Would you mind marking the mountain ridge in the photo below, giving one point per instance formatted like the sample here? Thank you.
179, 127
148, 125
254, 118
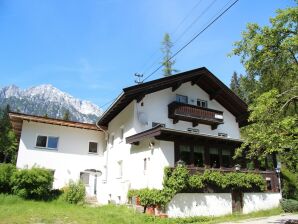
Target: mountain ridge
45, 99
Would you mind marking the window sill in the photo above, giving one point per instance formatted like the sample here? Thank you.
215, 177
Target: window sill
93, 153
45, 148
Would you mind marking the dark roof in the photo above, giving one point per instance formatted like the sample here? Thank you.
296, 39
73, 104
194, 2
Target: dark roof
17, 119
201, 77
168, 134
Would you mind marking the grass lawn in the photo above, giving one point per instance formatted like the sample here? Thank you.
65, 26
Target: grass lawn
16, 210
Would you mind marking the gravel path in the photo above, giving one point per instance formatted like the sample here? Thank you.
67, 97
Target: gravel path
278, 219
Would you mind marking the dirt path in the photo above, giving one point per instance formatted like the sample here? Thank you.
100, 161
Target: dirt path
278, 219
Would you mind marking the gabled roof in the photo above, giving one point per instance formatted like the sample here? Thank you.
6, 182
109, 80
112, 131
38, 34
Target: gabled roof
201, 77
17, 119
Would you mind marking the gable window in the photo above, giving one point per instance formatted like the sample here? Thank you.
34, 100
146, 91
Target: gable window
181, 99
202, 103
93, 147
48, 142
84, 177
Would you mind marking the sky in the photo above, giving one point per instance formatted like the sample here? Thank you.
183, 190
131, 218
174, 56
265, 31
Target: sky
91, 49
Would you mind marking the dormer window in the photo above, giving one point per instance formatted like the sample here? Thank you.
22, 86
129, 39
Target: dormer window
181, 99
202, 103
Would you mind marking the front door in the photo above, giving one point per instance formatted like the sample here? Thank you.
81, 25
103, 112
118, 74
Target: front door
237, 201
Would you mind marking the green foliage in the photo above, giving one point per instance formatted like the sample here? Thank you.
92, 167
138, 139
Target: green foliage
35, 183
6, 172
289, 205
179, 180
269, 54
167, 61
289, 184
8, 143
196, 182
74, 192
236, 87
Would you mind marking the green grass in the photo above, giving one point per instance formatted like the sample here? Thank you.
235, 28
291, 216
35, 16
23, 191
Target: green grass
16, 210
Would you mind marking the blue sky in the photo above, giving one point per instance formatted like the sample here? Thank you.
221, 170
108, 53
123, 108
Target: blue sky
92, 48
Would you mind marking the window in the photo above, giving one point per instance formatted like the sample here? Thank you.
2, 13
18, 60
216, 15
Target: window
214, 158
120, 164
47, 142
181, 99
226, 158
185, 153
41, 141
268, 183
84, 177
198, 152
93, 147
202, 103
223, 134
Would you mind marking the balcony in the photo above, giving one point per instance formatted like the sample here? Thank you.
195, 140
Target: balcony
197, 115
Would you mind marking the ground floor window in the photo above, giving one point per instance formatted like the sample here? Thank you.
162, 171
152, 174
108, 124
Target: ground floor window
199, 154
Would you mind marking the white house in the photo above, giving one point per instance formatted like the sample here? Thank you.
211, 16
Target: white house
191, 116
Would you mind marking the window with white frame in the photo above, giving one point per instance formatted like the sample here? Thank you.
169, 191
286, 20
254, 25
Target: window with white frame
181, 98
202, 103
48, 142
92, 147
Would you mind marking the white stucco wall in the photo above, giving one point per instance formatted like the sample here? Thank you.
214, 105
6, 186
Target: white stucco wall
71, 157
200, 204
260, 201
155, 106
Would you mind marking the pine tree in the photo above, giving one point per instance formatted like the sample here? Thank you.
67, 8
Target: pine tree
8, 142
66, 115
167, 61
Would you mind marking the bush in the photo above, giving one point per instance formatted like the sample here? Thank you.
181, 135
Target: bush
289, 205
35, 183
74, 193
6, 172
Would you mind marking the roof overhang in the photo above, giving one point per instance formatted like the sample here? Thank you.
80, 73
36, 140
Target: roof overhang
17, 119
201, 77
167, 134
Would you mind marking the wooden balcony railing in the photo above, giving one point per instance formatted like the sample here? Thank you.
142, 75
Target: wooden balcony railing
197, 115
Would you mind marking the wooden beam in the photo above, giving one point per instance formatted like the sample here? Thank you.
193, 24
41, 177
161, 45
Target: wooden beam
140, 98
195, 123
214, 94
176, 86
196, 81
214, 126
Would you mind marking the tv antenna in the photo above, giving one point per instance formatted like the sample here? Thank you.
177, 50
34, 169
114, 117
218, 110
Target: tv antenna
138, 78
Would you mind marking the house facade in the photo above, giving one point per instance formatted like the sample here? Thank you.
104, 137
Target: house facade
190, 117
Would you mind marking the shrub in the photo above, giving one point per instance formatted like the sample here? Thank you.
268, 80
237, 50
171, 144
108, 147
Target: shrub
289, 205
6, 172
196, 182
74, 192
35, 183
